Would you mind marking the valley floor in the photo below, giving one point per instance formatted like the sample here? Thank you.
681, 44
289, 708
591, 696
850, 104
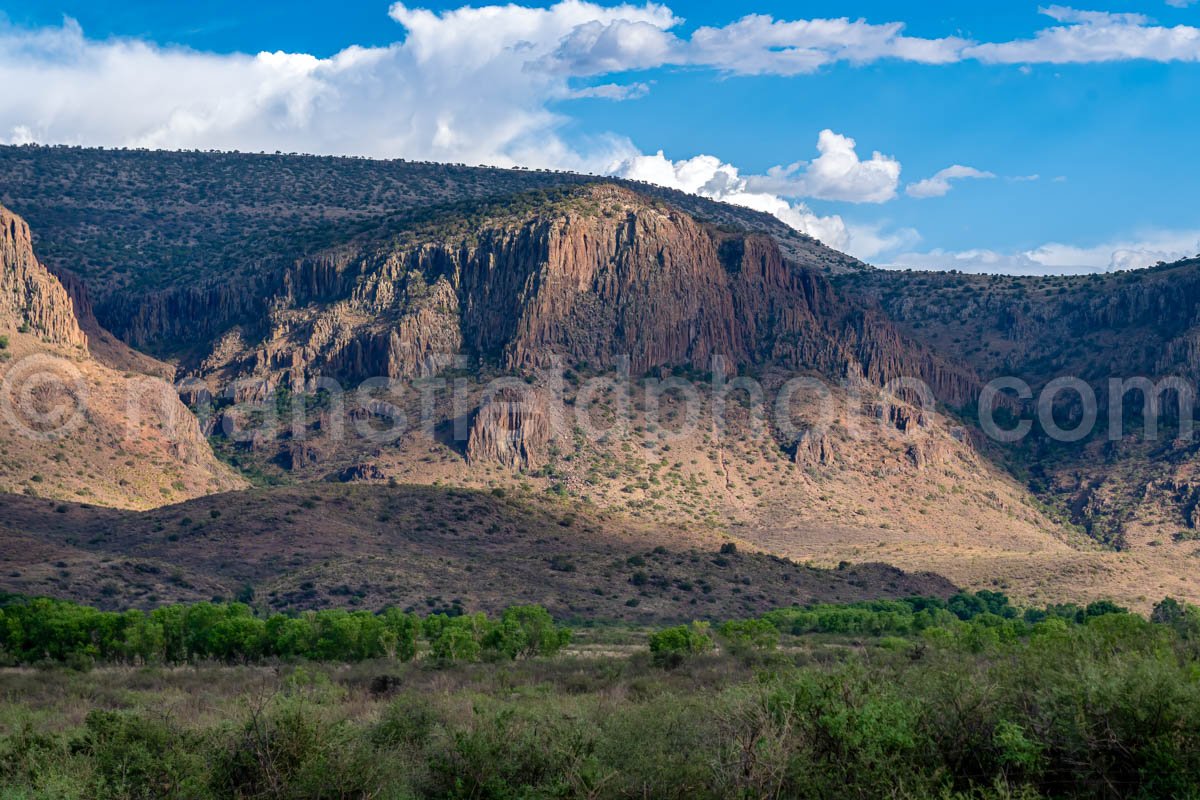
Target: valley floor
1103, 708
1037, 569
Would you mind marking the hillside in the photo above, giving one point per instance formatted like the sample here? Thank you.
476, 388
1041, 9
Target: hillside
424, 548
138, 221
1126, 490
72, 427
1126, 323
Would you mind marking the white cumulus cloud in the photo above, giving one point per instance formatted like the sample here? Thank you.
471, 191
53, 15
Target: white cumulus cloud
1055, 258
1094, 36
939, 184
458, 87
758, 44
708, 176
836, 174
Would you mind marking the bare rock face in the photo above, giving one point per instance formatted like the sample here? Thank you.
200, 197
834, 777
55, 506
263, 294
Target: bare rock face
298, 455
814, 448
901, 416
127, 439
928, 452
605, 275
364, 472
516, 427
31, 299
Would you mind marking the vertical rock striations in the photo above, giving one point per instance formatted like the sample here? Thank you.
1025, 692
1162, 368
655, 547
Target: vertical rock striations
517, 428
31, 299
601, 275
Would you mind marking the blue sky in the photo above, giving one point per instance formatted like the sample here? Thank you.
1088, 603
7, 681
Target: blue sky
984, 136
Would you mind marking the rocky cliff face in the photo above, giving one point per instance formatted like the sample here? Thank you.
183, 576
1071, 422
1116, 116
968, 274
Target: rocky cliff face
605, 275
515, 428
73, 427
31, 299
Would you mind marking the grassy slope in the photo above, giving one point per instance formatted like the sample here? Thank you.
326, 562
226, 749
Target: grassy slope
423, 547
124, 451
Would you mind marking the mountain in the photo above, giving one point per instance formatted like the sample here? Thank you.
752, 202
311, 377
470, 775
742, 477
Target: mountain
584, 275
137, 221
666, 362
73, 428
1123, 487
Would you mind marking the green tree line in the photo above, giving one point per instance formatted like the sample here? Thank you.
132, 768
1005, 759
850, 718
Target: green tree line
43, 629
1103, 706
35, 630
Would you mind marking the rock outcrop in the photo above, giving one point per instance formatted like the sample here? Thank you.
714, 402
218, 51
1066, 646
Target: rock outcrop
359, 473
814, 448
515, 427
901, 416
604, 275
31, 299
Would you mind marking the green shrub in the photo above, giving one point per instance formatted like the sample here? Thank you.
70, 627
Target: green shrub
408, 722
526, 631
31, 758
137, 758
291, 749
672, 646
744, 637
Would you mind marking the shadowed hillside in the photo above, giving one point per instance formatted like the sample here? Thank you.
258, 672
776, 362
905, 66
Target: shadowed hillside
1136, 487
425, 548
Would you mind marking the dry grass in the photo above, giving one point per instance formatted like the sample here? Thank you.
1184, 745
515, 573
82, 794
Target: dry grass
134, 446
414, 547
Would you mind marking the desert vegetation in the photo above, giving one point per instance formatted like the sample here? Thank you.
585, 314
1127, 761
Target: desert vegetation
969, 697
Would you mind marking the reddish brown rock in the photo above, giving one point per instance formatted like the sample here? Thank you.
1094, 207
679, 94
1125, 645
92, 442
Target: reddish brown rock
298, 455
516, 428
357, 473
904, 418
603, 275
814, 448
31, 299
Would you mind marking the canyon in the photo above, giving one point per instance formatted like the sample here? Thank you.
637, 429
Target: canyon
550, 286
